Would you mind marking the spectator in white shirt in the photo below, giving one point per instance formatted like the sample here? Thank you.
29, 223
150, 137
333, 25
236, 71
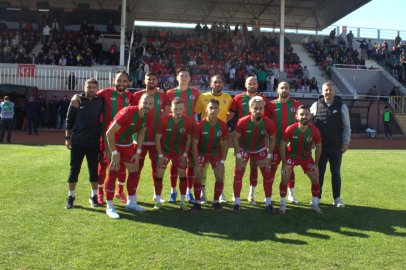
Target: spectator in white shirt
232, 77
46, 33
62, 61
269, 81
192, 62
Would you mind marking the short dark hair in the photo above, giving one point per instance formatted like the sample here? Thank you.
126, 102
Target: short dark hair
177, 101
303, 107
215, 76
213, 101
151, 73
386, 107
121, 72
182, 70
91, 80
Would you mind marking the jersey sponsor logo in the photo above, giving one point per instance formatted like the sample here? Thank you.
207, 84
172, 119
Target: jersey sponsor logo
292, 109
127, 100
277, 110
219, 133
262, 154
263, 131
182, 130
132, 124
309, 139
205, 133
81, 107
159, 101
334, 111
169, 129
176, 97
244, 103
249, 131
192, 97
112, 98
295, 137
224, 101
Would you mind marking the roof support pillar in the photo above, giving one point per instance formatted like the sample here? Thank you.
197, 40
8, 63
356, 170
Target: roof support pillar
122, 33
282, 37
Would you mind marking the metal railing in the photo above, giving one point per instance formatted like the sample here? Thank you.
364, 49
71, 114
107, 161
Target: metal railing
49, 77
344, 80
129, 50
393, 80
349, 66
398, 104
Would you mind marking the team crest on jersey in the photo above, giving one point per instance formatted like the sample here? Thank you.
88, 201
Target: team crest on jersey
292, 109
224, 101
192, 97
309, 166
159, 102
127, 100
309, 139
182, 130
219, 133
262, 154
143, 124
263, 132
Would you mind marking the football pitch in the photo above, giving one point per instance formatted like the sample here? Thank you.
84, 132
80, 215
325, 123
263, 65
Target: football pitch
37, 232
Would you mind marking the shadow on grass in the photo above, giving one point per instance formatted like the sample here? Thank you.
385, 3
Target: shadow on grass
253, 223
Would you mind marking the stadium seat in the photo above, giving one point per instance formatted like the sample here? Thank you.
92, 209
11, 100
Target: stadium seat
221, 63
206, 62
195, 77
196, 82
189, 42
291, 66
191, 53
169, 44
276, 65
205, 54
176, 44
290, 76
214, 62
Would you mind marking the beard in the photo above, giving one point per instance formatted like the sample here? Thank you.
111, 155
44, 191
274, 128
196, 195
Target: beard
258, 117
283, 95
121, 89
216, 91
151, 87
146, 111
304, 121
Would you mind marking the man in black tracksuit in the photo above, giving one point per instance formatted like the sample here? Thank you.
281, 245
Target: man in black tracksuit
332, 119
53, 106
83, 130
63, 105
42, 104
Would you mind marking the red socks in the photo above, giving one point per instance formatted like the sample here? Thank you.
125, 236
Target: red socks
315, 190
121, 178
111, 184
190, 177
153, 166
254, 177
158, 185
291, 183
132, 183
173, 174
218, 189
238, 175
197, 191
283, 189
268, 181
101, 174
182, 185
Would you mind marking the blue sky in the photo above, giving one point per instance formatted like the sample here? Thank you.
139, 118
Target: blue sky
380, 14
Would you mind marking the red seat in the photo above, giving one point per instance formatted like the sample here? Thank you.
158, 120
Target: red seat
176, 44
207, 63
149, 39
291, 66
290, 75
189, 42
169, 44
205, 53
276, 65
191, 53
214, 62
195, 41
178, 66
199, 67
195, 77
196, 82
285, 66
221, 63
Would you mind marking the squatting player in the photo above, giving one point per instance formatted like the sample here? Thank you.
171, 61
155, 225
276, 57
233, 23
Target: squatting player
283, 114
249, 142
173, 141
189, 97
301, 136
240, 107
225, 102
115, 99
207, 135
123, 152
148, 146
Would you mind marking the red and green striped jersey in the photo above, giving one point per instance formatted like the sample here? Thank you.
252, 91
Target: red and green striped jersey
209, 136
156, 113
240, 105
174, 135
253, 136
130, 123
301, 142
189, 96
283, 115
113, 103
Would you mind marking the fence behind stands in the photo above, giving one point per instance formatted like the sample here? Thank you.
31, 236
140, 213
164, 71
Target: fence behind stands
47, 77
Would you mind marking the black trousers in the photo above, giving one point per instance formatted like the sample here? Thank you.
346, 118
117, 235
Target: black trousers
41, 119
334, 156
77, 153
388, 129
63, 118
33, 121
52, 119
8, 124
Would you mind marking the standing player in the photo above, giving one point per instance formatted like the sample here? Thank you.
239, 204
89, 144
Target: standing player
115, 99
241, 107
189, 97
206, 148
172, 141
225, 102
119, 138
301, 136
148, 146
283, 114
249, 142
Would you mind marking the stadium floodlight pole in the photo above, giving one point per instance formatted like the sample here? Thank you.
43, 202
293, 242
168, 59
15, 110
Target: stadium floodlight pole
122, 34
282, 36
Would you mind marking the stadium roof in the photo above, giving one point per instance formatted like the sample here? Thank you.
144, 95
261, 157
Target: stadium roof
299, 14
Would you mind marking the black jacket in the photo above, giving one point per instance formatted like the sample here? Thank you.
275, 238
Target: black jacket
64, 106
32, 109
85, 122
329, 121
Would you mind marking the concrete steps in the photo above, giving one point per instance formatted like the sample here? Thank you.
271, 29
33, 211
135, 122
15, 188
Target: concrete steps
401, 120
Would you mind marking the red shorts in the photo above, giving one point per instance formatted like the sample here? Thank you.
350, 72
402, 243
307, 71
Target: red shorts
151, 149
305, 164
261, 155
190, 154
175, 159
125, 152
214, 160
276, 157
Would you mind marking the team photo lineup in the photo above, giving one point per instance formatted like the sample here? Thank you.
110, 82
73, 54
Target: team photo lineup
188, 131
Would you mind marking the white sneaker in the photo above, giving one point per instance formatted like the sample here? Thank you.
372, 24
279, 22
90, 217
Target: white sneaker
339, 203
111, 212
282, 209
134, 206
251, 200
318, 201
293, 200
162, 200
316, 209
222, 198
203, 198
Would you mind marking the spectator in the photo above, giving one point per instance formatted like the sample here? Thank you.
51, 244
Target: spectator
305, 41
62, 61
98, 52
275, 72
113, 51
32, 109
261, 78
397, 40
45, 19
46, 33
387, 122
110, 27
313, 85
63, 110
28, 27
71, 82
293, 84
350, 38
305, 83
53, 106
166, 85
306, 72
54, 28
298, 73
204, 81
370, 47
269, 81
139, 76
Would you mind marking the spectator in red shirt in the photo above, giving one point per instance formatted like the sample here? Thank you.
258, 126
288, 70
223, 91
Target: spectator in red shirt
113, 51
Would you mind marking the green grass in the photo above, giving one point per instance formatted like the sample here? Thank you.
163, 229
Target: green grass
37, 232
